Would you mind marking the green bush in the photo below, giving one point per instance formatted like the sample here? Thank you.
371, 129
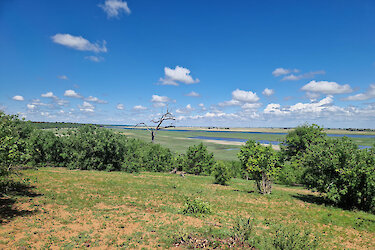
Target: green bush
156, 158
92, 148
196, 207
45, 147
290, 173
242, 229
345, 173
222, 173
299, 139
13, 147
198, 161
293, 238
292, 152
261, 163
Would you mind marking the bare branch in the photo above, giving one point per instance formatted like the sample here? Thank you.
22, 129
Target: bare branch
165, 117
144, 124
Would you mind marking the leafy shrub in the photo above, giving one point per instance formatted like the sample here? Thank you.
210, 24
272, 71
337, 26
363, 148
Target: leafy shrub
45, 147
222, 173
156, 158
198, 161
13, 147
290, 173
261, 162
345, 173
242, 229
92, 148
293, 238
196, 207
299, 139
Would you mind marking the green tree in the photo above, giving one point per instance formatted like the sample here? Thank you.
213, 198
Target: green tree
13, 144
92, 148
299, 139
222, 173
45, 147
261, 163
343, 172
198, 160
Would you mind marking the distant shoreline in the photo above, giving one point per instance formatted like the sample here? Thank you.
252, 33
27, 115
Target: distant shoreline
262, 130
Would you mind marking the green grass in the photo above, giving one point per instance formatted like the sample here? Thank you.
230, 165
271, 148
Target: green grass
90, 208
178, 141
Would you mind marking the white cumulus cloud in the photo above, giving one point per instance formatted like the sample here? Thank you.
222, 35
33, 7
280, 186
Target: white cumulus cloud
78, 43
114, 8
328, 88
193, 94
72, 93
174, 76
369, 94
268, 92
326, 104
241, 97
160, 99
18, 98
282, 71
95, 99
31, 106
245, 96
120, 106
86, 107
139, 108
230, 103
48, 95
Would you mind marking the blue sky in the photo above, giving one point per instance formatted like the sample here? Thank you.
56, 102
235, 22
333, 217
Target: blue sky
213, 63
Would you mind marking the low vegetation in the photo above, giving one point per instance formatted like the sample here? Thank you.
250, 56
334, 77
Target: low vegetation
343, 175
76, 209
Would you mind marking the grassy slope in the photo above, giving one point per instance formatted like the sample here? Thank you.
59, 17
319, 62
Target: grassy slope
89, 208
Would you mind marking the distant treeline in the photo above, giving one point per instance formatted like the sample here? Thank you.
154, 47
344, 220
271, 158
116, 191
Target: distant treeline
46, 125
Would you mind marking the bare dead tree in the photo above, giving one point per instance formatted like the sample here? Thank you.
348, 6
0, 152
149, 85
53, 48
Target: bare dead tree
166, 116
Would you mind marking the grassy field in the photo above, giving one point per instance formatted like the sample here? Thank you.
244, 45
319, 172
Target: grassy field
78, 209
179, 141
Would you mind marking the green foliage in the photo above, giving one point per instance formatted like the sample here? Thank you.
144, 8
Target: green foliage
242, 229
283, 237
222, 173
13, 146
142, 156
299, 139
45, 148
261, 163
235, 168
198, 161
293, 238
156, 158
290, 173
293, 149
196, 207
345, 173
92, 148
86, 147
58, 125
